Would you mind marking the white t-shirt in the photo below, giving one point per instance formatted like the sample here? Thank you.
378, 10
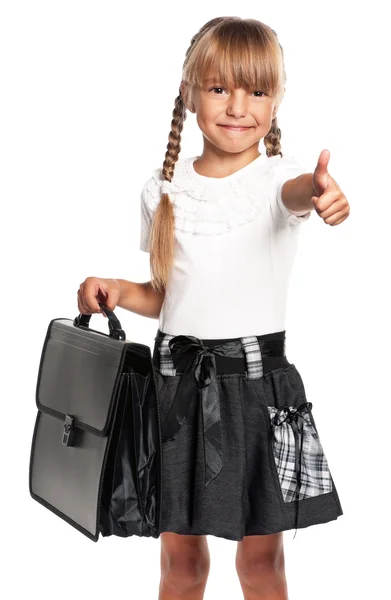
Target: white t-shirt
235, 247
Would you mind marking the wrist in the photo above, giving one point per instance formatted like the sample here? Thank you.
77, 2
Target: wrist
123, 289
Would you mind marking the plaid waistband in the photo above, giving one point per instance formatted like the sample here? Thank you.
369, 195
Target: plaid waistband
197, 361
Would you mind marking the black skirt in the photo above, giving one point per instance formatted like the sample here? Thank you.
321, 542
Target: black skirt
241, 453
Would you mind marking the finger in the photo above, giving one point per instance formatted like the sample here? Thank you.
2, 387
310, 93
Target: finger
339, 210
81, 306
337, 218
340, 220
112, 299
326, 200
86, 301
91, 292
340, 204
83, 309
103, 297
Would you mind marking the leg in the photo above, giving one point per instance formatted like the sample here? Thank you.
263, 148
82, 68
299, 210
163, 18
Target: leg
260, 566
185, 564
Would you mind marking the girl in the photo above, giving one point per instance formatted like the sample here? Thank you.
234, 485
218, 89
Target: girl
242, 457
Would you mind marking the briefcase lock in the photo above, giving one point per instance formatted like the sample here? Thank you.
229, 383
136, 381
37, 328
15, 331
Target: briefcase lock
69, 431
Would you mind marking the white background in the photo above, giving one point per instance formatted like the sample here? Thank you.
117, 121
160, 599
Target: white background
87, 93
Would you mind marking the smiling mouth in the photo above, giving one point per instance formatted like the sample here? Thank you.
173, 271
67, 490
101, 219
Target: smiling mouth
235, 127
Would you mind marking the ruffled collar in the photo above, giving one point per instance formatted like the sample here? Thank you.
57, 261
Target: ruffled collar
211, 205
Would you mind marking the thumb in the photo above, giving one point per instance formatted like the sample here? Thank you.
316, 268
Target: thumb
111, 298
101, 297
321, 175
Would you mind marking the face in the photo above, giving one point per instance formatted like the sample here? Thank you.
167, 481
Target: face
217, 108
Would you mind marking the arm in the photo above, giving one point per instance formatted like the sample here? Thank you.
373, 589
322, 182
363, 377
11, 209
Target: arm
140, 298
296, 193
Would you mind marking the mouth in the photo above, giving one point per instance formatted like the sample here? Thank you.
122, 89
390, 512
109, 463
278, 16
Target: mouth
235, 127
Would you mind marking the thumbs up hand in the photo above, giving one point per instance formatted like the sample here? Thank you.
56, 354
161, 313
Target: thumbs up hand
330, 203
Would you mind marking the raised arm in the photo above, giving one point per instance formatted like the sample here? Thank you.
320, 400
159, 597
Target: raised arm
296, 193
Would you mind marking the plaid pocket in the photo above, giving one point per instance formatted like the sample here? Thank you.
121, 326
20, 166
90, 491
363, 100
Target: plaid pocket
298, 453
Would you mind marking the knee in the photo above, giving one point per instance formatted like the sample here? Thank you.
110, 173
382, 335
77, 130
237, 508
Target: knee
254, 569
181, 572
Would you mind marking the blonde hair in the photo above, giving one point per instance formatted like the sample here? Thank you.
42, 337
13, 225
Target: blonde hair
242, 53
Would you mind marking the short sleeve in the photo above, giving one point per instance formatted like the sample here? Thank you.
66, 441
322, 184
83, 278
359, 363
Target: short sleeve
145, 222
288, 168
149, 200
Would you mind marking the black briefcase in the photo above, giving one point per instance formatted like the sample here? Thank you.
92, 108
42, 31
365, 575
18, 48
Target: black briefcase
96, 449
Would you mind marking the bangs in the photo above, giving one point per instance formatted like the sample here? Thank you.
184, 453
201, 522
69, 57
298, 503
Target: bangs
237, 54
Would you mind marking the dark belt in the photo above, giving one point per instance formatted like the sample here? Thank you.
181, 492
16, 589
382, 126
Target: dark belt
296, 419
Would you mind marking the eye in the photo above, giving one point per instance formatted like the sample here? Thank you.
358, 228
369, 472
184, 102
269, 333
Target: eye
216, 88
256, 92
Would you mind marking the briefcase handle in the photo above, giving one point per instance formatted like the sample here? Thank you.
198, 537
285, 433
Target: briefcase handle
115, 327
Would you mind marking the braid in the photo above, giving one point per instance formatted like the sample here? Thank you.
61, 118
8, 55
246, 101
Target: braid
272, 139
174, 138
162, 229
179, 113
163, 222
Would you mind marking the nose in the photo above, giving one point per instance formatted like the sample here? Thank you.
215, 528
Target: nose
237, 105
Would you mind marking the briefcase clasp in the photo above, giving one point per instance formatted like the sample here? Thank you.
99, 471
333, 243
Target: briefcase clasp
69, 431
